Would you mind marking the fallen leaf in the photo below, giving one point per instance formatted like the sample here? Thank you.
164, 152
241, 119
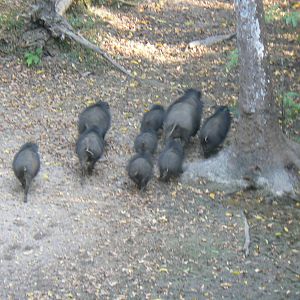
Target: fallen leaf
236, 272
163, 219
226, 285
90, 102
134, 84
163, 270
46, 176
135, 62
258, 217
257, 270
189, 23
123, 129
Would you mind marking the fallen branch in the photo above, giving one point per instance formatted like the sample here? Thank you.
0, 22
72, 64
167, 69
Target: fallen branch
293, 271
127, 3
84, 42
49, 15
247, 236
212, 40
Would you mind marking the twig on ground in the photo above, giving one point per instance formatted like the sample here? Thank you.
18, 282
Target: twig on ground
128, 3
212, 40
293, 271
247, 236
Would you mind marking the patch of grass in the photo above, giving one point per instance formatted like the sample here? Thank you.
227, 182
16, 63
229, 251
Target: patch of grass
33, 58
277, 13
233, 61
234, 110
78, 55
292, 18
81, 22
11, 22
291, 105
296, 139
273, 13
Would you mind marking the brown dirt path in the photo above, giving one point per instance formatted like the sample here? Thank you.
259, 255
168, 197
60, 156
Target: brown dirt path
106, 240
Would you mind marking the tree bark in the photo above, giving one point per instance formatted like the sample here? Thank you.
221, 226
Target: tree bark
260, 155
61, 6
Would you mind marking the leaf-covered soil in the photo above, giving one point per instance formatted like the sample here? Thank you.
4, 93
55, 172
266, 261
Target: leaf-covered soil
105, 239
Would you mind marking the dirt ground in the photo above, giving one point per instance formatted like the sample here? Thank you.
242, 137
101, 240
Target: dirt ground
107, 240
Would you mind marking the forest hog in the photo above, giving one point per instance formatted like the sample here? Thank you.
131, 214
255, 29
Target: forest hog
140, 169
89, 149
26, 165
214, 130
146, 142
170, 160
183, 117
153, 119
97, 115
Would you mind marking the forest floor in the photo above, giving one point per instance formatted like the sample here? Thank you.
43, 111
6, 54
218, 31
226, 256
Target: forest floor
106, 239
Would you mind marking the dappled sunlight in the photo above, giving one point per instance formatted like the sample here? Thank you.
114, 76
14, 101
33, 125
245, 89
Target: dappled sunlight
209, 4
132, 40
122, 23
102, 238
158, 53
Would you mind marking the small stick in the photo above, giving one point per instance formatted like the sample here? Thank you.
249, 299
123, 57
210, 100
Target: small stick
293, 271
247, 236
128, 3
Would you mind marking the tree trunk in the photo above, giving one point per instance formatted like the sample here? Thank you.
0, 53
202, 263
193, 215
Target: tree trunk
260, 155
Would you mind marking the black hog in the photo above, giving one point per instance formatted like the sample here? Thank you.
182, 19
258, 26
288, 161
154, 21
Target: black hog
140, 169
146, 142
191, 96
89, 149
26, 165
170, 160
154, 118
183, 117
214, 130
97, 115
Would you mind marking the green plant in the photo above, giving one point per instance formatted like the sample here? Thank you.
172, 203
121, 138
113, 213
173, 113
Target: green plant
275, 12
272, 13
11, 22
233, 60
234, 109
291, 105
33, 58
292, 18
82, 22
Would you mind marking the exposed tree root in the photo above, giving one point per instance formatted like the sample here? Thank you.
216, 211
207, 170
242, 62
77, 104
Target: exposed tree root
228, 171
49, 15
294, 146
211, 40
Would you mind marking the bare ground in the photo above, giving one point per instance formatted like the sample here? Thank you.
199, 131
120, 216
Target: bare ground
106, 240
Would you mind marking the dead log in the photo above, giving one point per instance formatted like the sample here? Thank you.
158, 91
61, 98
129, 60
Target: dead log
247, 236
212, 40
49, 15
